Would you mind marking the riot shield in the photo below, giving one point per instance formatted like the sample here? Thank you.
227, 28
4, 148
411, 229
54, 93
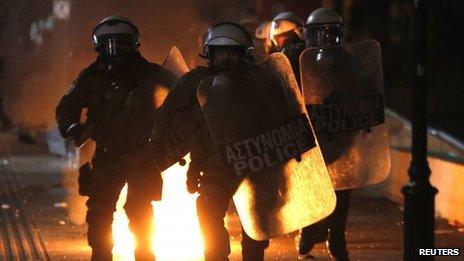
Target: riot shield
343, 91
175, 63
86, 151
259, 125
168, 139
77, 156
171, 135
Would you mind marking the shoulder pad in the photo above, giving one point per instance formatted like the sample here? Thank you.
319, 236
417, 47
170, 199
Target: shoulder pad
200, 70
197, 72
88, 72
154, 65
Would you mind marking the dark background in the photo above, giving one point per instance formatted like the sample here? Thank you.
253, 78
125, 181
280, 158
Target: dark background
35, 73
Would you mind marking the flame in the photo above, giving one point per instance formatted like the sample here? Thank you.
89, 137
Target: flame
177, 234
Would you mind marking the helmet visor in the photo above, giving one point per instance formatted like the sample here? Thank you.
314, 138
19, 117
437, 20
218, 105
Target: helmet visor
227, 57
113, 45
323, 35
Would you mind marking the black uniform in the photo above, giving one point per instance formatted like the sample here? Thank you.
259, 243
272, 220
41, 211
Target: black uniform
118, 96
216, 190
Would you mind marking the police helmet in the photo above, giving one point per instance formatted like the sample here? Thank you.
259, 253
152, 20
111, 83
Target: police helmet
114, 31
227, 34
284, 23
323, 28
249, 23
262, 32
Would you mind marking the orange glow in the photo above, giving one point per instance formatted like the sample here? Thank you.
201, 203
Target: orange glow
123, 248
177, 234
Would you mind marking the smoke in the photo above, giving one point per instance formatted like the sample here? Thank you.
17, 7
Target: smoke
75, 203
45, 44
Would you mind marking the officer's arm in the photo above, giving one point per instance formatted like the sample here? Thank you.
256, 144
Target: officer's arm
68, 111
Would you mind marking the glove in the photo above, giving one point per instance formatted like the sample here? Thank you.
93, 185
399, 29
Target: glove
193, 178
85, 180
74, 131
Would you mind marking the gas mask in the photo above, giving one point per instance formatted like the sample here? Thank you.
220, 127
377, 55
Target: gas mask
225, 58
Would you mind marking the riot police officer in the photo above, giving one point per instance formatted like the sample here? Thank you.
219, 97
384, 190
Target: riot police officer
226, 46
286, 32
117, 91
324, 29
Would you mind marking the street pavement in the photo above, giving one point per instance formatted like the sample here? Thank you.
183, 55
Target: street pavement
374, 230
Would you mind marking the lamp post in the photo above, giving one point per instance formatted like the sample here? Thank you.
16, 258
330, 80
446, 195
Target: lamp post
419, 195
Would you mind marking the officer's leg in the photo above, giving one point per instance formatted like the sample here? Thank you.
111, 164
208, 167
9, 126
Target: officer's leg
253, 250
212, 205
100, 208
337, 242
143, 186
313, 234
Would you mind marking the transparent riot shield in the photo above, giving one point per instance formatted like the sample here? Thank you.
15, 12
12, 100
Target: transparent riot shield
175, 63
259, 125
343, 92
169, 136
